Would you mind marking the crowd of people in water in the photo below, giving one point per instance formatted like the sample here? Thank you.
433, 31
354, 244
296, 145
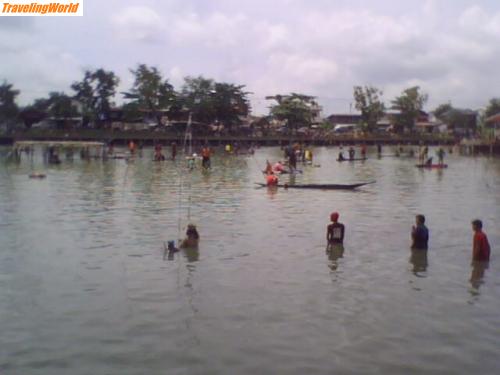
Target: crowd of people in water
481, 249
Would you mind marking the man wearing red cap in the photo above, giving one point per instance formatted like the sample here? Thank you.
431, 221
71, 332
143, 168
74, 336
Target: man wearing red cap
335, 231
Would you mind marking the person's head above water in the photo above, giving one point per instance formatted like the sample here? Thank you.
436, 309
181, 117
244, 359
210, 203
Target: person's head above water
477, 224
334, 216
420, 219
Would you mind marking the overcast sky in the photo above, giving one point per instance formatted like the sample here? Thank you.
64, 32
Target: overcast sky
450, 48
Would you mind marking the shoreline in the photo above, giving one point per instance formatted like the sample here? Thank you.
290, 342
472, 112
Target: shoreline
148, 138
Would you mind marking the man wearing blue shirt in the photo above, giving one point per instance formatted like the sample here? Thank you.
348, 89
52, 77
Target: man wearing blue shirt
419, 234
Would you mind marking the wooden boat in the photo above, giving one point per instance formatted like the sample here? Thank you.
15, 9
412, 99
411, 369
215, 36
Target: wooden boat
430, 166
320, 186
355, 159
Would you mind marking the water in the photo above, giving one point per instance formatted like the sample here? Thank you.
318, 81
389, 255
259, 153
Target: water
85, 287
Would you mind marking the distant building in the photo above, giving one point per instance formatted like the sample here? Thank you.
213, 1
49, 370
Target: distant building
343, 118
494, 123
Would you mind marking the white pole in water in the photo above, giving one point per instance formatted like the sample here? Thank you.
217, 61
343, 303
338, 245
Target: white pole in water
188, 136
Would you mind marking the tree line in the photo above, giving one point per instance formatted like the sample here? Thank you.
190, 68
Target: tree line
208, 101
408, 106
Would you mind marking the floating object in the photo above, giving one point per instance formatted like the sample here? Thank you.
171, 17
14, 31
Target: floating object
355, 159
321, 186
37, 175
430, 166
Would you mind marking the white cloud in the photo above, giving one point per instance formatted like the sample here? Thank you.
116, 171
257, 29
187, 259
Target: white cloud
138, 23
318, 48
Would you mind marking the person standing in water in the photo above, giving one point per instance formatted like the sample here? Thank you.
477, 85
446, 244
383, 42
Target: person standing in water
192, 237
205, 154
335, 231
363, 151
174, 150
352, 153
480, 245
419, 234
440, 154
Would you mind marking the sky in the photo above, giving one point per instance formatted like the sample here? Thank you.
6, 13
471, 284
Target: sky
450, 48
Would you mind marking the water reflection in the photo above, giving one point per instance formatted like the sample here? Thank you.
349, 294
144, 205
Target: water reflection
477, 276
334, 253
192, 254
419, 261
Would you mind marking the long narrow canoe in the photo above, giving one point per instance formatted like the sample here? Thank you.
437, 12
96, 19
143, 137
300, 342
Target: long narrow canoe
430, 166
355, 159
321, 186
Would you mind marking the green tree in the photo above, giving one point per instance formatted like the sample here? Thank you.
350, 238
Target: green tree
198, 96
409, 104
151, 91
295, 109
230, 103
57, 105
8, 107
492, 108
368, 102
441, 110
95, 92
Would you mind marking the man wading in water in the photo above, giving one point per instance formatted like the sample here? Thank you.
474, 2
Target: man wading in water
335, 231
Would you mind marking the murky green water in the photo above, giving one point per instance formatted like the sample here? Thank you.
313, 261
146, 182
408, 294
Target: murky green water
85, 287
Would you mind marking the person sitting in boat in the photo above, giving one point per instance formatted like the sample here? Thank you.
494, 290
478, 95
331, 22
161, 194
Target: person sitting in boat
341, 156
429, 162
335, 231
269, 168
278, 167
272, 180
192, 237
352, 153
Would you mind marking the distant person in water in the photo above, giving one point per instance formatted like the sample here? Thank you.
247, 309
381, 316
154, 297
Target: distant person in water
481, 246
440, 154
363, 151
352, 153
205, 155
132, 147
419, 234
379, 149
335, 231
192, 237
269, 168
292, 160
174, 150
158, 154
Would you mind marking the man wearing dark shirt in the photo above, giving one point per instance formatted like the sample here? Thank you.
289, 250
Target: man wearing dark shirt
335, 231
419, 234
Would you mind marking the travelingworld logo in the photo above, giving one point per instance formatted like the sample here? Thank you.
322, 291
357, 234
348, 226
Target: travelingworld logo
42, 8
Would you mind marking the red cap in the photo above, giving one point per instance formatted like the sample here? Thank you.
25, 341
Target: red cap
334, 216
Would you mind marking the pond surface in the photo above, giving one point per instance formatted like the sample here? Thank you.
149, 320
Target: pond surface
85, 287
